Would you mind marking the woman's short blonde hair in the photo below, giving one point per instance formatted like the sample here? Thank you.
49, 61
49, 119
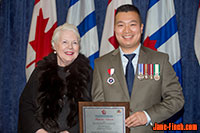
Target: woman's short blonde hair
65, 26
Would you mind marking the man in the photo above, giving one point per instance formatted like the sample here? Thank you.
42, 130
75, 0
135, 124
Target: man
153, 96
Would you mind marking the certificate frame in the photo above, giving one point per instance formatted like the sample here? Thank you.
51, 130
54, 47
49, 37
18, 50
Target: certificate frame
82, 104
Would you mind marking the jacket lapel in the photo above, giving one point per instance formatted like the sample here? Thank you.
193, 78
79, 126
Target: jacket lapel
141, 60
142, 56
116, 61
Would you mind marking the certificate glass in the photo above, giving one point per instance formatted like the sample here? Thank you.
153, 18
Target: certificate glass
103, 117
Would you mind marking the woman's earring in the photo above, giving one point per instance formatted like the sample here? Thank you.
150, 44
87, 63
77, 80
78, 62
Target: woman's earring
54, 52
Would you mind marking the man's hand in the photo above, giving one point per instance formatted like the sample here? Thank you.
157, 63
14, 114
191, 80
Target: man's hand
136, 119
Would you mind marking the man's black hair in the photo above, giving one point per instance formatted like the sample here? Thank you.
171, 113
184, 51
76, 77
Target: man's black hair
128, 8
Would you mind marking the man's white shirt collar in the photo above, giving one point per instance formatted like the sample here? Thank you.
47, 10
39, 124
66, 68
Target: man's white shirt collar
134, 61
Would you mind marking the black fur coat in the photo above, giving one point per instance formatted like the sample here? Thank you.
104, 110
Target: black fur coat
59, 90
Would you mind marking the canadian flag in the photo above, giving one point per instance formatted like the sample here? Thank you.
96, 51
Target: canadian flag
108, 41
44, 22
197, 36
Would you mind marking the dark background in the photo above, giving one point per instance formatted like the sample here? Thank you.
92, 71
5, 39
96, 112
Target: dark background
15, 19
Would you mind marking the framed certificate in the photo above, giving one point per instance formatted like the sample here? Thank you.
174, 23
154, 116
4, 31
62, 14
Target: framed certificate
103, 117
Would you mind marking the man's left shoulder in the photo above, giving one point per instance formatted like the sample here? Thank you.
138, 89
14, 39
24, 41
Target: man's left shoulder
151, 52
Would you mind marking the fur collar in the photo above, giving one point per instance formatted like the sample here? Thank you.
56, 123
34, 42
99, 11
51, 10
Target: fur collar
53, 89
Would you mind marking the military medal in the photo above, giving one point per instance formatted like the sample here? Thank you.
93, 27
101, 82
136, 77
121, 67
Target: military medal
140, 72
156, 72
111, 80
146, 71
151, 71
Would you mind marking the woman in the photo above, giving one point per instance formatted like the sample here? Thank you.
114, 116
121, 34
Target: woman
49, 102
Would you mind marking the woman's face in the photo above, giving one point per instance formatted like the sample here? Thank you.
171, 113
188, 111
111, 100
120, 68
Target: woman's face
67, 47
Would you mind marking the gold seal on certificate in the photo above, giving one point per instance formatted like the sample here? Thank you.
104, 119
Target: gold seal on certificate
100, 117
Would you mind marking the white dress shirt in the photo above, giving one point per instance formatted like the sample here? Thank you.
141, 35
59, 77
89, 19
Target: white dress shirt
134, 62
125, 60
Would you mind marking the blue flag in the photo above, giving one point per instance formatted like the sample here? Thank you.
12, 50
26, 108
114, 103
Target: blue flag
82, 14
161, 34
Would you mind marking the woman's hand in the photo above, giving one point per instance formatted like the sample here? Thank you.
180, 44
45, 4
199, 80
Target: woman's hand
64, 132
41, 131
44, 131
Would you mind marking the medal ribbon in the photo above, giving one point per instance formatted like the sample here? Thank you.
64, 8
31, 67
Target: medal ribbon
150, 69
111, 71
140, 69
157, 69
145, 69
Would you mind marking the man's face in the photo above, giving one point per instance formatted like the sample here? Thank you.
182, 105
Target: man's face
128, 30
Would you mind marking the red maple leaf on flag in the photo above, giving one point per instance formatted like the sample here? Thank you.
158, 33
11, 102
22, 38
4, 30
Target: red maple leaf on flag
150, 43
109, 1
36, 1
42, 42
113, 41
